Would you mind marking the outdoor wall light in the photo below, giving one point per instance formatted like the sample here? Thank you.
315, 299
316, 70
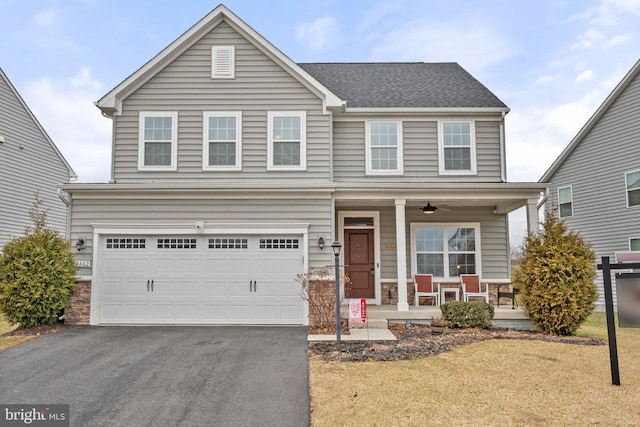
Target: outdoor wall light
80, 244
321, 243
336, 248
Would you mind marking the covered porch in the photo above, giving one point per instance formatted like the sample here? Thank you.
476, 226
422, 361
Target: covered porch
387, 236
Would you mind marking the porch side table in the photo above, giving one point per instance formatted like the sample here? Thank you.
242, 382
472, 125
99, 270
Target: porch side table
444, 290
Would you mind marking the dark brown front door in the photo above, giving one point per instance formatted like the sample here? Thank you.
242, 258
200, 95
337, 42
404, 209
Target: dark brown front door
359, 263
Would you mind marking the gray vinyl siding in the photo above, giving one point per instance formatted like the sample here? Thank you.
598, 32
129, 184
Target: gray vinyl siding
420, 147
185, 85
494, 248
596, 171
316, 212
36, 167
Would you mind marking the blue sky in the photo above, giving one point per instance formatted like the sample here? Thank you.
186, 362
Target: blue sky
552, 62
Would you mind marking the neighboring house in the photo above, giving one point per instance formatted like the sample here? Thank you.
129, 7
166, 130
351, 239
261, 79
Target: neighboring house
594, 185
30, 164
234, 169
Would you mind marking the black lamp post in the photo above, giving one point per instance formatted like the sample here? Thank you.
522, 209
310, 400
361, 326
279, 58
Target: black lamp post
336, 252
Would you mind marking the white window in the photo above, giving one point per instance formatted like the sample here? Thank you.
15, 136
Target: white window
565, 201
384, 148
287, 140
222, 141
158, 141
223, 62
633, 188
445, 250
634, 244
457, 147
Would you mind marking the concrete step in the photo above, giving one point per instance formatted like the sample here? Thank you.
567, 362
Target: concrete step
371, 324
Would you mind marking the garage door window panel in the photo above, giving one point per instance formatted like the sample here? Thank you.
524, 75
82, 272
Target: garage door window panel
228, 243
125, 243
177, 243
279, 243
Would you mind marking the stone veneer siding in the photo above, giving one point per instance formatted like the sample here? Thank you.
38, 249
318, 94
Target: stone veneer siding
79, 305
390, 294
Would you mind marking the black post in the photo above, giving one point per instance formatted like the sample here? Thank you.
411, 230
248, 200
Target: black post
338, 298
611, 325
336, 246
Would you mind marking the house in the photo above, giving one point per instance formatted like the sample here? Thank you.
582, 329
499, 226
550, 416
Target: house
234, 168
594, 185
31, 164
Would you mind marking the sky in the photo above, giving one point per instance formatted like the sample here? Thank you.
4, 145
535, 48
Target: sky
553, 62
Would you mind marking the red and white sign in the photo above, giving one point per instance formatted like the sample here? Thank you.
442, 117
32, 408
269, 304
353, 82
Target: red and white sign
358, 311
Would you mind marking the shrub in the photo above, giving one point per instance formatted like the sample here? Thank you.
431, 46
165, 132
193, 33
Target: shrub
555, 277
319, 291
37, 274
473, 314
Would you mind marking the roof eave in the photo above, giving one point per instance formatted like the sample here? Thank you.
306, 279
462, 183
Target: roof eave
428, 110
613, 96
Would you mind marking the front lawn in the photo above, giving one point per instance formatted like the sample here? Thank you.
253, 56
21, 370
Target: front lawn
10, 341
496, 382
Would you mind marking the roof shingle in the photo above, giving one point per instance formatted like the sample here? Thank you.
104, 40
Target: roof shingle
403, 85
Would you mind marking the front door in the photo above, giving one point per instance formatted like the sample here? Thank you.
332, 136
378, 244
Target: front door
359, 263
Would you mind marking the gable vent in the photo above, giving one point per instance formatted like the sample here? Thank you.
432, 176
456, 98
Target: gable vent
223, 62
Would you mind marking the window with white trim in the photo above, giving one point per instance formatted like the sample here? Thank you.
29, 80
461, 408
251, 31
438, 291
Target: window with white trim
287, 140
457, 147
445, 250
223, 62
565, 201
634, 244
158, 141
222, 141
384, 148
633, 188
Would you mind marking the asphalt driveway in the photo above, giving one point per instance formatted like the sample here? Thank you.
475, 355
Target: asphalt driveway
165, 376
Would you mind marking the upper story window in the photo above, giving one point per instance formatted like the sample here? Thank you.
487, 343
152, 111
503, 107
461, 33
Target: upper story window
634, 244
223, 62
457, 147
287, 140
633, 188
565, 201
445, 250
222, 141
384, 148
158, 141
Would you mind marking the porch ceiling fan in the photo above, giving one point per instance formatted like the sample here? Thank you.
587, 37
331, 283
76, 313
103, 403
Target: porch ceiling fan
429, 209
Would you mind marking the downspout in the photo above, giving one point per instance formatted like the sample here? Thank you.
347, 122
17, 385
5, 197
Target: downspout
113, 148
503, 160
66, 199
545, 197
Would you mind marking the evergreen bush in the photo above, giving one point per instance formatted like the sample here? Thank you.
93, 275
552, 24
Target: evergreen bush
472, 314
37, 274
555, 277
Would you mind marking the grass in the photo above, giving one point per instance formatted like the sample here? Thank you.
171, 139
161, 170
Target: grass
498, 382
6, 342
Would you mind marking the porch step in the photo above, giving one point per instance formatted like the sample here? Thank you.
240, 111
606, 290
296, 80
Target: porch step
371, 324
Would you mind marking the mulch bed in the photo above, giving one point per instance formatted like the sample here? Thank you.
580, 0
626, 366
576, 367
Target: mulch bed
37, 331
417, 342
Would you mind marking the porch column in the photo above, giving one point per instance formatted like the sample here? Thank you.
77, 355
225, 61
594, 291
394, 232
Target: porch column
533, 220
401, 253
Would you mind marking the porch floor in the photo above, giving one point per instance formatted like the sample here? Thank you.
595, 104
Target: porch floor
426, 312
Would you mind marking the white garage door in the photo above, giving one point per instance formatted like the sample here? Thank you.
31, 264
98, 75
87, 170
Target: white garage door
201, 280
